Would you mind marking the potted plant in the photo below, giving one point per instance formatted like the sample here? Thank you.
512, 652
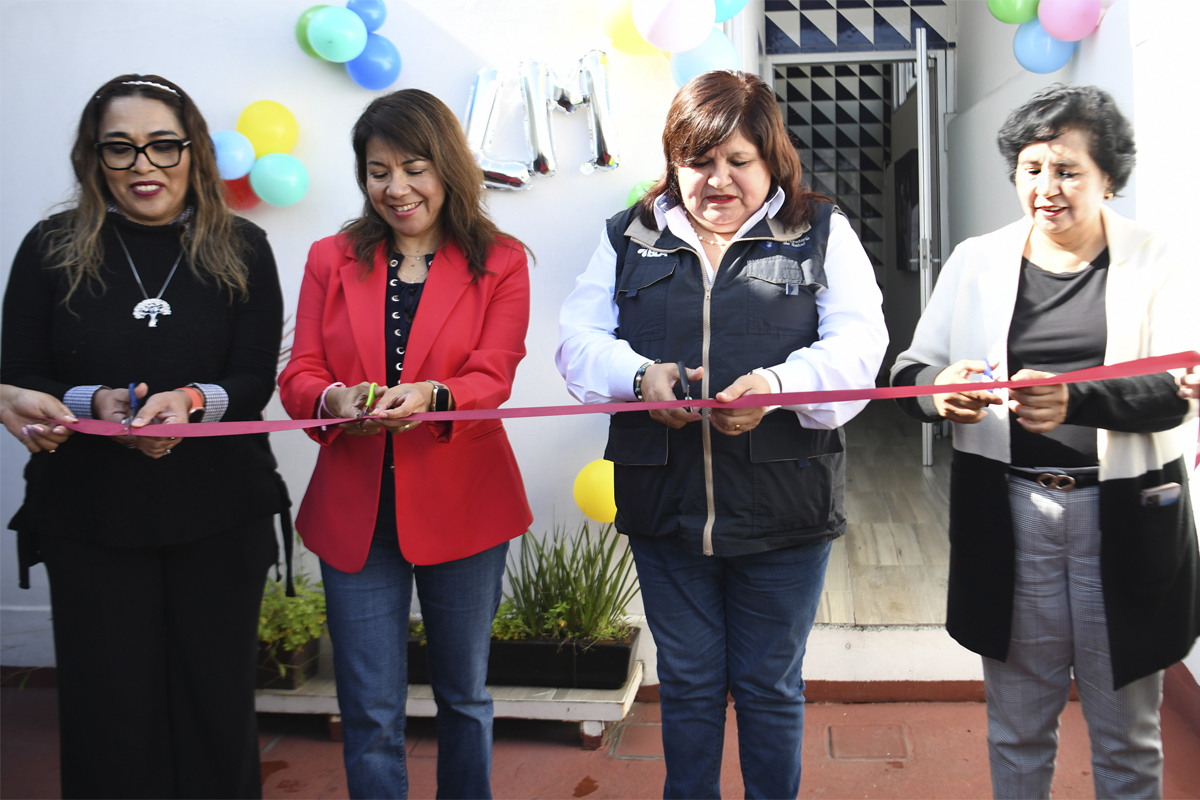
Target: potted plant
289, 634
563, 622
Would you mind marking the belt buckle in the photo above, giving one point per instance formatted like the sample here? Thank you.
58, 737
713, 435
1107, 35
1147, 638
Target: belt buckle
1048, 480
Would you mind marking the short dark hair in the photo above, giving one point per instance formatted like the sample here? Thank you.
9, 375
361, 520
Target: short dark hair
415, 122
1059, 108
708, 110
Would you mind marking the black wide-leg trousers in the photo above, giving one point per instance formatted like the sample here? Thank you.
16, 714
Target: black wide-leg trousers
156, 651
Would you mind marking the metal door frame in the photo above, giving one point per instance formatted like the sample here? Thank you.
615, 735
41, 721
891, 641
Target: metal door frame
935, 101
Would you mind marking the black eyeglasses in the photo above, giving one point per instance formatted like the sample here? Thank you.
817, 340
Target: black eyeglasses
161, 153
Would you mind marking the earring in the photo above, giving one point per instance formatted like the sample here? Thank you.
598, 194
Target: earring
1109, 195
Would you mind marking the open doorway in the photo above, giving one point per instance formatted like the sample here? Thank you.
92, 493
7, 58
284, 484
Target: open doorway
856, 127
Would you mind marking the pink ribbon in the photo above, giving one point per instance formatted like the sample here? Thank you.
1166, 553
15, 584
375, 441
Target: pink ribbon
1126, 369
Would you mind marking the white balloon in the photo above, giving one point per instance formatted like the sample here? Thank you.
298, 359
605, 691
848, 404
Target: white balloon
674, 25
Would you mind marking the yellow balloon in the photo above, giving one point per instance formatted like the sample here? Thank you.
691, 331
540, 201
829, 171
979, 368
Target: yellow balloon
269, 126
616, 18
594, 493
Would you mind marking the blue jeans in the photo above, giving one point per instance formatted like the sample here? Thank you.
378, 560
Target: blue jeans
730, 625
368, 623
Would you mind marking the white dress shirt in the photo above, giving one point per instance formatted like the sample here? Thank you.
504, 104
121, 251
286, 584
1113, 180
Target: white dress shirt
599, 367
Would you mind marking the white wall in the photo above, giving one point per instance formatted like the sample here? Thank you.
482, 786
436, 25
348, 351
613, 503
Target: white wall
226, 54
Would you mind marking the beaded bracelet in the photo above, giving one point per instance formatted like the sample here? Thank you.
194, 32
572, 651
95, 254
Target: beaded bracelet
641, 373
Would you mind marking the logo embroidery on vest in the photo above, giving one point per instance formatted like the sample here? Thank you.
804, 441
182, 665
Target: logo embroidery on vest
798, 244
644, 253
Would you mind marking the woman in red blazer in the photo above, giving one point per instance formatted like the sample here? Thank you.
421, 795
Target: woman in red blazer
424, 296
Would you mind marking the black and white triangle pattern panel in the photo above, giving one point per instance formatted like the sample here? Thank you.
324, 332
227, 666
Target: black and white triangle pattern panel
847, 26
840, 120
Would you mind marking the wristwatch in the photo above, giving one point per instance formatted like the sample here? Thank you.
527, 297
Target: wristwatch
440, 401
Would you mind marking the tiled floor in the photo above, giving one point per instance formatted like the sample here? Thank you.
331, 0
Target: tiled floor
896, 750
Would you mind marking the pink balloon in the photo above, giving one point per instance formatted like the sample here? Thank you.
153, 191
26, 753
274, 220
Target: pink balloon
674, 25
1069, 20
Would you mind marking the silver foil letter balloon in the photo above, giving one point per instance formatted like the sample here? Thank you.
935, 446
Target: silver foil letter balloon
480, 124
606, 147
542, 92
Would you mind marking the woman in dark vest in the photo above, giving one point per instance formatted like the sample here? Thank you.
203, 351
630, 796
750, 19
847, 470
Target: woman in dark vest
727, 278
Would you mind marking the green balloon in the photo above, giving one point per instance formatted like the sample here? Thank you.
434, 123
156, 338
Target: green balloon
639, 191
279, 179
1013, 11
302, 32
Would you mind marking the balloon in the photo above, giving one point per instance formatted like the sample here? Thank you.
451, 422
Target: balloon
337, 34
716, 52
616, 19
269, 126
480, 124
639, 191
594, 492
728, 9
1037, 51
378, 66
1069, 20
674, 25
593, 81
279, 179
235, 154
302, 31
239, 195
373, 12
1014, 12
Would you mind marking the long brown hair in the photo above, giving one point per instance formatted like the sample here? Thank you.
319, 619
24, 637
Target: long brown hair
708, 110
418, 124
213, 247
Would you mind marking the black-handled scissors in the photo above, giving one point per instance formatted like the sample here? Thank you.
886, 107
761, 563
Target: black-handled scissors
683, 384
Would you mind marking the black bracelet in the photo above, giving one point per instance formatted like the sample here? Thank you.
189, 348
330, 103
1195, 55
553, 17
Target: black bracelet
641, 373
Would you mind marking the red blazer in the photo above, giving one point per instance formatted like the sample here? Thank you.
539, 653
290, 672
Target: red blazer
458, 488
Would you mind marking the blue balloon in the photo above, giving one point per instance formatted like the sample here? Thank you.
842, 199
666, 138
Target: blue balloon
728, 9
715, 52
235, 154
279, 179
1038, 51
373, 12
378, 66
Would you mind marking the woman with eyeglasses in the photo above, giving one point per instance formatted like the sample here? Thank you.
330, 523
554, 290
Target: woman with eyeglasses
156, 548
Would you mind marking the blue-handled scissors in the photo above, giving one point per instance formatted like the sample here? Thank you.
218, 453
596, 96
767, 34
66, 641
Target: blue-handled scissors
134, 405
987, 373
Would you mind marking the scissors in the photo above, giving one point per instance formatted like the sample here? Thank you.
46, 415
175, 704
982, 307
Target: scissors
366, 409
683, 384
134, 405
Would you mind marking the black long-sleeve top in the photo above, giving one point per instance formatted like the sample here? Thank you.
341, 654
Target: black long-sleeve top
94, 488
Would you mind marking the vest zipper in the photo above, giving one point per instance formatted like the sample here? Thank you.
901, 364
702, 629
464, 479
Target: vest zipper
705, 422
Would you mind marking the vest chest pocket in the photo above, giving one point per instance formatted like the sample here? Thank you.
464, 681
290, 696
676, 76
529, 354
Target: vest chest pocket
641, 295
780, 297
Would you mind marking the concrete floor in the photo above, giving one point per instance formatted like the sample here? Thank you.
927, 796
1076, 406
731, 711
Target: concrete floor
896, 750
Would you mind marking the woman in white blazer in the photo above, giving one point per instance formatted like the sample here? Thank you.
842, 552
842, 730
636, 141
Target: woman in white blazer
1073, 542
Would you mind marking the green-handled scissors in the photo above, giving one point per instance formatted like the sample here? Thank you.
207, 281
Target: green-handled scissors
370, 401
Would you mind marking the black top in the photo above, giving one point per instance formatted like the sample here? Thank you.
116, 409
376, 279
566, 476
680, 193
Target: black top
96, 489
1058, 325
400, 308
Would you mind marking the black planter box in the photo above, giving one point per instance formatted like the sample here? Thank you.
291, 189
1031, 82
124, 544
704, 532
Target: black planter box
539, 662
299, 665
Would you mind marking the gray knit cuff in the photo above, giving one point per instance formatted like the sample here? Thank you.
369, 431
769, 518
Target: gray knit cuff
79, 400
216, 401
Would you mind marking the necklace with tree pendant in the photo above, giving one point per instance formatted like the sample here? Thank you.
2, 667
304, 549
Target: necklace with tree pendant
152, 307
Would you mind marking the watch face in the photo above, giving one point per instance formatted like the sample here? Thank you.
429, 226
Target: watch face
196, 414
